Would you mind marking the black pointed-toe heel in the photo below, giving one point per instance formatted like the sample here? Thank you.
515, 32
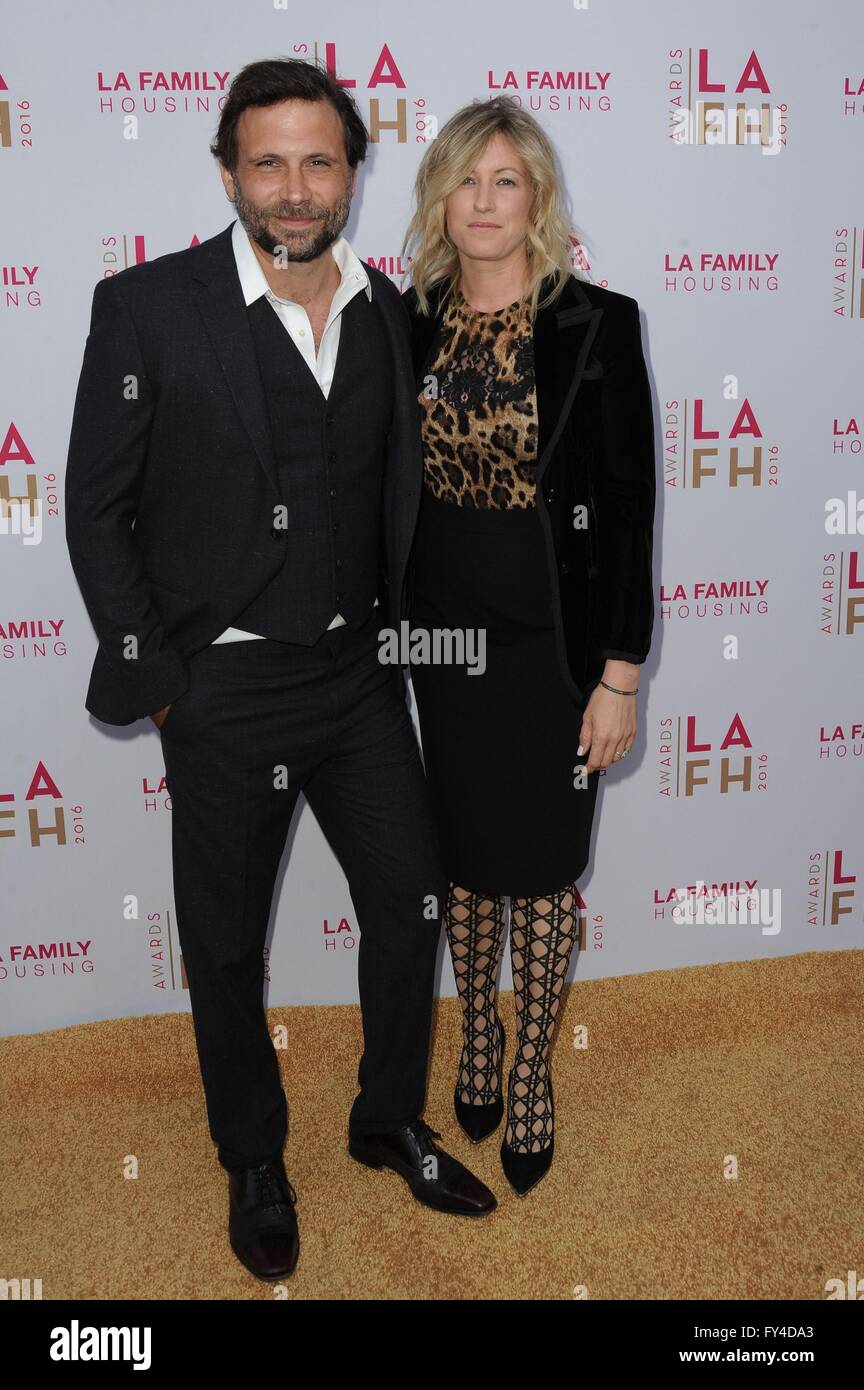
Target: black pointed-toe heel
479, 1121
524, 1171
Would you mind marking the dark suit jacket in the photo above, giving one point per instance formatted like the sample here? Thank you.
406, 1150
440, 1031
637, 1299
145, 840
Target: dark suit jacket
596, 448
171, 481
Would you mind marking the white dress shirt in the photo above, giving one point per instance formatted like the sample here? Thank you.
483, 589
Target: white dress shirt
295, 320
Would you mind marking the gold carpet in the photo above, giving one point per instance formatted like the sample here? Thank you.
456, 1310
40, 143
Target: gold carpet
686, 1073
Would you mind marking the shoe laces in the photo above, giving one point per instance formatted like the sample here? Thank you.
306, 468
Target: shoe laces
423, 1131
271, 1187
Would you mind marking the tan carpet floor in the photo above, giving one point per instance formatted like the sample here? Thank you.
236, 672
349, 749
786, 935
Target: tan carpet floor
757, 1060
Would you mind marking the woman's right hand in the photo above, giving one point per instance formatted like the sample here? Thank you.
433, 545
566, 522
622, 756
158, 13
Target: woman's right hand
160, 716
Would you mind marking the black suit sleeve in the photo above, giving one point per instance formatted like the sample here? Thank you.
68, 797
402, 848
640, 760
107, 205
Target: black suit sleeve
625, 489
111, 425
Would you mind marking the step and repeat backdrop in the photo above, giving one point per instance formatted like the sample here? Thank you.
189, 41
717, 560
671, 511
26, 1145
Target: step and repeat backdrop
713, 157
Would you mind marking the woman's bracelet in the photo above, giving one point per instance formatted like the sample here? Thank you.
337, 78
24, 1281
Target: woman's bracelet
619, 692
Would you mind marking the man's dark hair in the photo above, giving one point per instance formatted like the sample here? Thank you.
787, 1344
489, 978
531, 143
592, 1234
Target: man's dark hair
287, 79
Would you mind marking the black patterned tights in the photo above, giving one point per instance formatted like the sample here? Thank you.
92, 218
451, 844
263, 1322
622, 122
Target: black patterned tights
542, 933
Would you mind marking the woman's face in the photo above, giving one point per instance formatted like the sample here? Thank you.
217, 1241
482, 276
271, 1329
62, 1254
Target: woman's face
487, 215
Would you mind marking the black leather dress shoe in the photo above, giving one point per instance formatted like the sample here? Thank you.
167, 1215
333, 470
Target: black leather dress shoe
262, 1225
435, 1178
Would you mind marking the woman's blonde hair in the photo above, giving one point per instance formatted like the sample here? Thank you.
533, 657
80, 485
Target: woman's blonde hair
448, 160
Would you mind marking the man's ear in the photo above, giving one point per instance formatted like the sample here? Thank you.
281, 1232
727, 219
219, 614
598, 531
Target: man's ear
227, 182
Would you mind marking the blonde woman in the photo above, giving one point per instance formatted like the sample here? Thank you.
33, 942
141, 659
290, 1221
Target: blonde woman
535, 531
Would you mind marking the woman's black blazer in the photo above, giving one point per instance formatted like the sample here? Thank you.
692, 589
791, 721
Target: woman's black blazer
596, 450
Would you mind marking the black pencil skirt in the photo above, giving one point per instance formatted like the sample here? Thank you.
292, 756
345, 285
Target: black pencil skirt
499, 747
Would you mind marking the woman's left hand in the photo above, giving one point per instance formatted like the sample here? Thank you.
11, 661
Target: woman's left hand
608, 727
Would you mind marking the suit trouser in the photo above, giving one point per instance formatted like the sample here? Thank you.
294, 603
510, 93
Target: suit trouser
260, 722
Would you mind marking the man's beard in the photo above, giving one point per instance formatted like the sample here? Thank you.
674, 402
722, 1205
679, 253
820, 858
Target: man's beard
290, 247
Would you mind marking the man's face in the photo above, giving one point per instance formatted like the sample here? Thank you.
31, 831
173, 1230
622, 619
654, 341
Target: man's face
292, 187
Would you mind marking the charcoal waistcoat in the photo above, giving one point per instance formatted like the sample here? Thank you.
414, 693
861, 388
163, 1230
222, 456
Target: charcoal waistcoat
330, 453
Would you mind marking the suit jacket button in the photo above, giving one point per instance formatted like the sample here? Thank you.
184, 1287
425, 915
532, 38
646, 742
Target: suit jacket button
564, 567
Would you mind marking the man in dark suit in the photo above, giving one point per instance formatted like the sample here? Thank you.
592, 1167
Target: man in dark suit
242, 487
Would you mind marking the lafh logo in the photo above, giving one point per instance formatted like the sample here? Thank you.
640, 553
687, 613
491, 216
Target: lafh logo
391, 119
16, 121
732, 107
831, 891
5, 120
704, 451
22, 511
842, 605
167, 970
848, 277
38, 828
691, 762
120, 252
579, 259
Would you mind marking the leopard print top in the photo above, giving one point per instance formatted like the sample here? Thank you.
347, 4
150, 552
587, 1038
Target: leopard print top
479, 411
